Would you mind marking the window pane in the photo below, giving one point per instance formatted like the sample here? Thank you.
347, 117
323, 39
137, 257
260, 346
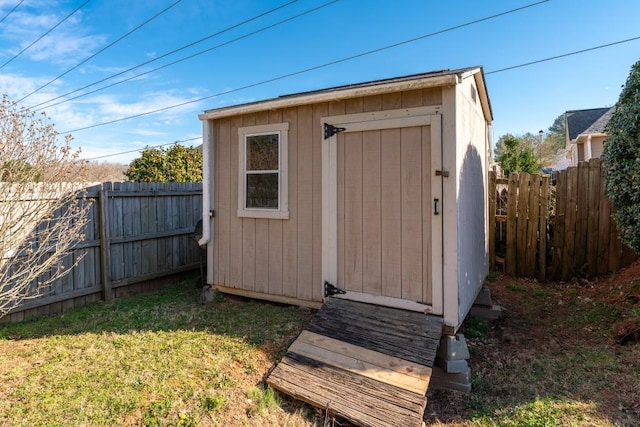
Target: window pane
262, 190
262, 152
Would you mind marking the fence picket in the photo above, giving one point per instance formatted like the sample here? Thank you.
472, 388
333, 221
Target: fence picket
576, 215
121, 244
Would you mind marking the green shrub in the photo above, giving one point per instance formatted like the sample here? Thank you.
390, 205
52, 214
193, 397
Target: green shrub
621, 160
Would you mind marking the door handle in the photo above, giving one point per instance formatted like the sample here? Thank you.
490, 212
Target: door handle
435, 206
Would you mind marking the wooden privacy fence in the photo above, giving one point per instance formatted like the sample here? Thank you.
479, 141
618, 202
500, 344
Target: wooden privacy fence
554, 230
135, 233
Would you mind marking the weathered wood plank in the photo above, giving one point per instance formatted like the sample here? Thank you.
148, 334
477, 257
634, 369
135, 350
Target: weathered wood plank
582, 214
604, 229
375, 365
358, 399
492, 220
542, 231
532, 225
522, 220
570, 222
512, 241
593, 220
559, 225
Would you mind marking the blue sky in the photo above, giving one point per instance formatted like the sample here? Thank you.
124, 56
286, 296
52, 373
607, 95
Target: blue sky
525, 99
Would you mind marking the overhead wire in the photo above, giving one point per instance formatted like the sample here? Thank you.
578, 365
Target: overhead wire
45, 34
189, 56
306, 70
142, 149
11, 11
119, 39
246, 21
564, 55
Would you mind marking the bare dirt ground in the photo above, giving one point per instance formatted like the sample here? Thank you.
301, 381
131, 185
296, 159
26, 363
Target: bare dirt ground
563, 354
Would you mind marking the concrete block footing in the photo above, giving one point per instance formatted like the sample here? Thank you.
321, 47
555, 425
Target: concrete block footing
448, 381
453, 347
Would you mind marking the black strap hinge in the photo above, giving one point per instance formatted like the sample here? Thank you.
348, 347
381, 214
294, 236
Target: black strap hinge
330, 130
331, 290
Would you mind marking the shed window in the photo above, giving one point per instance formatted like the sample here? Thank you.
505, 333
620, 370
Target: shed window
263, 171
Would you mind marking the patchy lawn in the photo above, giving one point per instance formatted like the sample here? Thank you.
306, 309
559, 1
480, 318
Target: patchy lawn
564, 354
155, 359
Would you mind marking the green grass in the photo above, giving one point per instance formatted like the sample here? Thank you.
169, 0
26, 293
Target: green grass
156, 359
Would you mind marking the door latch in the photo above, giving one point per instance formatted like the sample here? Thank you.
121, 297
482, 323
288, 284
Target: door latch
435, 206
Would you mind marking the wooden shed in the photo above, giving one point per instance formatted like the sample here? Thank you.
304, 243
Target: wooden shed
368, 201
375, 191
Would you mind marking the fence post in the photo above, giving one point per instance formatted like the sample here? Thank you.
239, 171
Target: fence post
492, 220
105, 245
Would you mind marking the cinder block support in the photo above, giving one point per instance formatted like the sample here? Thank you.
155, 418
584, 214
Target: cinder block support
451, 370
484, 307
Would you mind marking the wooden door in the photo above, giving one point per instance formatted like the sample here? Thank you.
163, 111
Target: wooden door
384, 208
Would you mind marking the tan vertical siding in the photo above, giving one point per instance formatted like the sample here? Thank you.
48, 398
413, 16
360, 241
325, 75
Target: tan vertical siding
319, 111
391, 230
290, 226
235, 223
284, 257
372, 261
275, 247
305, 202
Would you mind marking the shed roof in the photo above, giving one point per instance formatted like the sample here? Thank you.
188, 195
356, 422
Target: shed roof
413, 81
591, 121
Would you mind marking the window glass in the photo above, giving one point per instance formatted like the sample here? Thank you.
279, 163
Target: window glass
262, 152
262, 191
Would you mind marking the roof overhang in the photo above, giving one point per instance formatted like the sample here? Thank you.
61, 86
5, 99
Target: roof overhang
422, 81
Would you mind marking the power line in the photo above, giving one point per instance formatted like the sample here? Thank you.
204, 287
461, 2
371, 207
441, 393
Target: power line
185, 58
102, 50
45, 34
156, 59
306, 70
564, 55
142, 149
11, 11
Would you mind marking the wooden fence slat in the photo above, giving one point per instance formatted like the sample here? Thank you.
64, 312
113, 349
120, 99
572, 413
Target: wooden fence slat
532, 225
492, 220
512, 198
570, 220
582, 214
522, 219
132, 230
542, 231
559, 223
592, 216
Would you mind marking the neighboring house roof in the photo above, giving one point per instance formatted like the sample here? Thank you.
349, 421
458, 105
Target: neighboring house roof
414, 81
592, 121
598, 126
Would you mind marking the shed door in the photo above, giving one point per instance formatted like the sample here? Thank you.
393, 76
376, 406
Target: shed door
386, 213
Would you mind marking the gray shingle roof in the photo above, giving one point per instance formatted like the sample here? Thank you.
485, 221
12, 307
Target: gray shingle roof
587, 121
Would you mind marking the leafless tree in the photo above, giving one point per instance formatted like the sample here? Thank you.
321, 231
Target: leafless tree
42, 213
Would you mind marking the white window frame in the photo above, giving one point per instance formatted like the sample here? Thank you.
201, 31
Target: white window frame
282, 129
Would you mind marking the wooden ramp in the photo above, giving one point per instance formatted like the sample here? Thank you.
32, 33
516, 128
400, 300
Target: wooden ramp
368, 364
